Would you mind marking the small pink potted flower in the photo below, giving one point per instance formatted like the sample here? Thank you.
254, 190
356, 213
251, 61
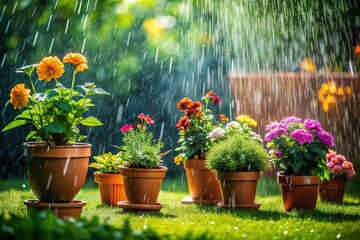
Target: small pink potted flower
340, 171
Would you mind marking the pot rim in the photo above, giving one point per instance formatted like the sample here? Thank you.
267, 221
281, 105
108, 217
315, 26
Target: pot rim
42, 144
297, 180
238, 176
161, 168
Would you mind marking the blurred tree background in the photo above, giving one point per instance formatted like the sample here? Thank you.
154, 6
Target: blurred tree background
151, 53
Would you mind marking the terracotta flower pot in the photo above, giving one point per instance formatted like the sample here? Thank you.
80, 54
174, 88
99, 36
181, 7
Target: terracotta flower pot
56, 173
238, 188
111, 187
332, 190
203, 185
299, 192
61, 210
142, 186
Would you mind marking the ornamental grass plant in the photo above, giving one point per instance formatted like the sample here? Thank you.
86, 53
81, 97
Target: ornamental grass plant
55, 113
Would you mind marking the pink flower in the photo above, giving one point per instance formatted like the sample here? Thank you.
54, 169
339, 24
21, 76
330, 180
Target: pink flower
278, 153
148, 119
126, 127
141, 116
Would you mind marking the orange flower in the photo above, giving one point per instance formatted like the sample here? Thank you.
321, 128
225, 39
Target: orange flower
78, 60
357, 49
49, 67
183, 123
19, 96
194, 108
223, 118
183, 104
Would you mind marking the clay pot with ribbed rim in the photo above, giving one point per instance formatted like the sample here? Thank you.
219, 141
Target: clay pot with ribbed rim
238, 188
299, 192
111, 187
203, 185
332, 190
142, 185
56, 173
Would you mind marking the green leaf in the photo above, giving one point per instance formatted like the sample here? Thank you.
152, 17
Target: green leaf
31, 134
52, 93
98, 91
315, 148
91, 122
297, 166
55, 127
14, 124
25, 115
307, 155
63, 106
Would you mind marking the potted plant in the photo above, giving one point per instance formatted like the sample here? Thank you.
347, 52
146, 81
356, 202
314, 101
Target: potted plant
109, 179
56, 162
194, 128
341, 170
142, 171
299, 147
237, 158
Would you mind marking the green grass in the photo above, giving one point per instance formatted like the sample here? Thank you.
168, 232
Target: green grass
328, 221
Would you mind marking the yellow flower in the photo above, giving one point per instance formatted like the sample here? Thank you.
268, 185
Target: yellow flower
19, 96
246, 119
49, 67
308, 65
153, 27
178, 159
78, 60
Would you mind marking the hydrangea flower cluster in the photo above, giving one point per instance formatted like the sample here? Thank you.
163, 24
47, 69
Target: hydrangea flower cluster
299, 146
339, 166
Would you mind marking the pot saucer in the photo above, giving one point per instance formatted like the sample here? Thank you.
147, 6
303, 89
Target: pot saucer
254, 206
140, 207
190, 200
61, 210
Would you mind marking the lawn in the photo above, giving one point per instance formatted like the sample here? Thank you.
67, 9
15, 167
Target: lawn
328, 221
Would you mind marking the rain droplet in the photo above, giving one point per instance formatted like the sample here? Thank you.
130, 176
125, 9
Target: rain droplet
285, 232
338, 236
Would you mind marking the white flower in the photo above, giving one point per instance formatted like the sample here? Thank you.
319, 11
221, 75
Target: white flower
216, 133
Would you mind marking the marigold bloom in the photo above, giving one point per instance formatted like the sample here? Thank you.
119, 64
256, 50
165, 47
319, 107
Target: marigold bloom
183, 104
19, 96
194, 108
49, 67
213, 97
308, 65
223, 118
183, 123
246, 119
178, 159
78, 60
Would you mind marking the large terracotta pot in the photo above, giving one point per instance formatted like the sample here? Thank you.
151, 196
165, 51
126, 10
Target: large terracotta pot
142, 186
332, 190
111, 187
299, 192
56, 173
203, 185
238, 188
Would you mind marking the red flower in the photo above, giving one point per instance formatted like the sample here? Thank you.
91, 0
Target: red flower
183, 123
141, 116
148, 119
213, 97
183, 104
126, 127
194, 108
139, 125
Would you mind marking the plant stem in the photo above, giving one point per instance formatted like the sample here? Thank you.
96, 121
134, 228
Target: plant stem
72, 83
32, 84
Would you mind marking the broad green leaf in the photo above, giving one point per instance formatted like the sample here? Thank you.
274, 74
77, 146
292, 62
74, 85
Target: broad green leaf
55, 127
315, 148
297, 166
307, 155
24, 115
63, 106
14, 124
91, 122
31, 134
52, 93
